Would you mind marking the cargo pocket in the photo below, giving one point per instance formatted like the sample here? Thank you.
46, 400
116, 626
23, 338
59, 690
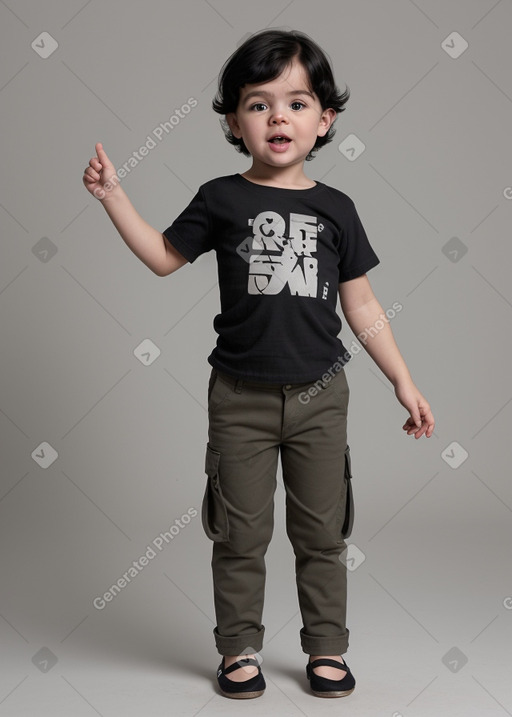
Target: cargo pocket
348, 521
214, 515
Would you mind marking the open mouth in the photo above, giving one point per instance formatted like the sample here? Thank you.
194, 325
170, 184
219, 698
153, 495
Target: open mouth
279, 140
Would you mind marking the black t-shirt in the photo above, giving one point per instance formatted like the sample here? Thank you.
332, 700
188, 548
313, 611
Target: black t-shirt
281, 254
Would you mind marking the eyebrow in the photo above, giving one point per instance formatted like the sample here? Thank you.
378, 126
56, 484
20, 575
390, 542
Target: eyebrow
263, 93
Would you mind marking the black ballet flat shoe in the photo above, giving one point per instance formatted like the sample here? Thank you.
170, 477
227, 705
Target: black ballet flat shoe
253, 687
323, 686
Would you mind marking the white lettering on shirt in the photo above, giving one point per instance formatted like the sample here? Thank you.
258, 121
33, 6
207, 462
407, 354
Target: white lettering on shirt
279, 260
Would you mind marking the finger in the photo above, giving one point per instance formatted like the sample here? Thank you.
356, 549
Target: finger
102, 155
415, 420
419, 433
91, 174
429, 423
414, 431
412, 428
430, 429
414, 414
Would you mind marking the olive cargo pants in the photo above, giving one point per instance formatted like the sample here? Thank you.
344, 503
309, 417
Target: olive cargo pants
249, 423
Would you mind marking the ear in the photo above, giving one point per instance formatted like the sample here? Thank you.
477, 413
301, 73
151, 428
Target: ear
327, 118
233, 124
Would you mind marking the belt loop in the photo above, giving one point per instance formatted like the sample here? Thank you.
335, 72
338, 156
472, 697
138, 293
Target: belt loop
238, 385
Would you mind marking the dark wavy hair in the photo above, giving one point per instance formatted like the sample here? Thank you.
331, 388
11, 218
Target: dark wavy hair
261, 58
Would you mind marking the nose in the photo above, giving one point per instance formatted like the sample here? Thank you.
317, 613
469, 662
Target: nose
279, 119
278, 116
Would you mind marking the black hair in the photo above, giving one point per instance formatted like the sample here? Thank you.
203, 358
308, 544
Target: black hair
261, 58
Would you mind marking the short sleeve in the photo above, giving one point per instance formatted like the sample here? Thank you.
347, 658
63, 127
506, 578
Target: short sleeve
356, 253
190, 233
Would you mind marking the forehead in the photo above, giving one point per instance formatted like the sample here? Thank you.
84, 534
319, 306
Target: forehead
292, 80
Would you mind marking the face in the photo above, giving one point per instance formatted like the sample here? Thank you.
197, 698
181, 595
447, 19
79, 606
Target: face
283, 106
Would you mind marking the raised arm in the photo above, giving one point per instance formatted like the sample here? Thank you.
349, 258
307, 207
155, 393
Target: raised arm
146, 242
363, 312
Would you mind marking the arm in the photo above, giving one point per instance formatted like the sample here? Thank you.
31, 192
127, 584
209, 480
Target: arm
362, 311
147, 243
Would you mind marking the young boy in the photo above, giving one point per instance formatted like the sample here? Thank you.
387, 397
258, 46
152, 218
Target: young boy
287, 247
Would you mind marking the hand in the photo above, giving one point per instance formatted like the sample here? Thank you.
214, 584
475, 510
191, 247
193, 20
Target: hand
100, 177
421, 420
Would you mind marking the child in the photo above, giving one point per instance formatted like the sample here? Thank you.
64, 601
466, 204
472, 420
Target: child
286, 247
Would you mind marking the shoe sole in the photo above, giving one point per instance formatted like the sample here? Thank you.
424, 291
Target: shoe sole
242, 695
333, 693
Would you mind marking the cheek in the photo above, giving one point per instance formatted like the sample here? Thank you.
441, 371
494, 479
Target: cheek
253, 130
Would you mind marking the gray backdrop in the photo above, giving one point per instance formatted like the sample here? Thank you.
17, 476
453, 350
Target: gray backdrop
103, 418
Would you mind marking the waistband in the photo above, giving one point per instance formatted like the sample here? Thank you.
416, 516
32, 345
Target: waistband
238, 383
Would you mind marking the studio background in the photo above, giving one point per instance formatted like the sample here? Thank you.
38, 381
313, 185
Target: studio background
103, 421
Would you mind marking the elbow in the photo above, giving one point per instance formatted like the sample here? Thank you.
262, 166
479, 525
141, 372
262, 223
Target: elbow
157, 271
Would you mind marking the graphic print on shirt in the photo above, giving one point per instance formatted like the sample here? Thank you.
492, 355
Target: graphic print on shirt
278, 258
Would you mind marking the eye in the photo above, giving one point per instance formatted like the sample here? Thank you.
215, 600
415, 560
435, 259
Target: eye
257, 104
298, 103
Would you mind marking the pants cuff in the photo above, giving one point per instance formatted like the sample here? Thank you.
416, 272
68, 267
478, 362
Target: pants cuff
313, 645
239, 645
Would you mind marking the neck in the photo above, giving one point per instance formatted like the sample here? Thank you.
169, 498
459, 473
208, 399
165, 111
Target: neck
287, 177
